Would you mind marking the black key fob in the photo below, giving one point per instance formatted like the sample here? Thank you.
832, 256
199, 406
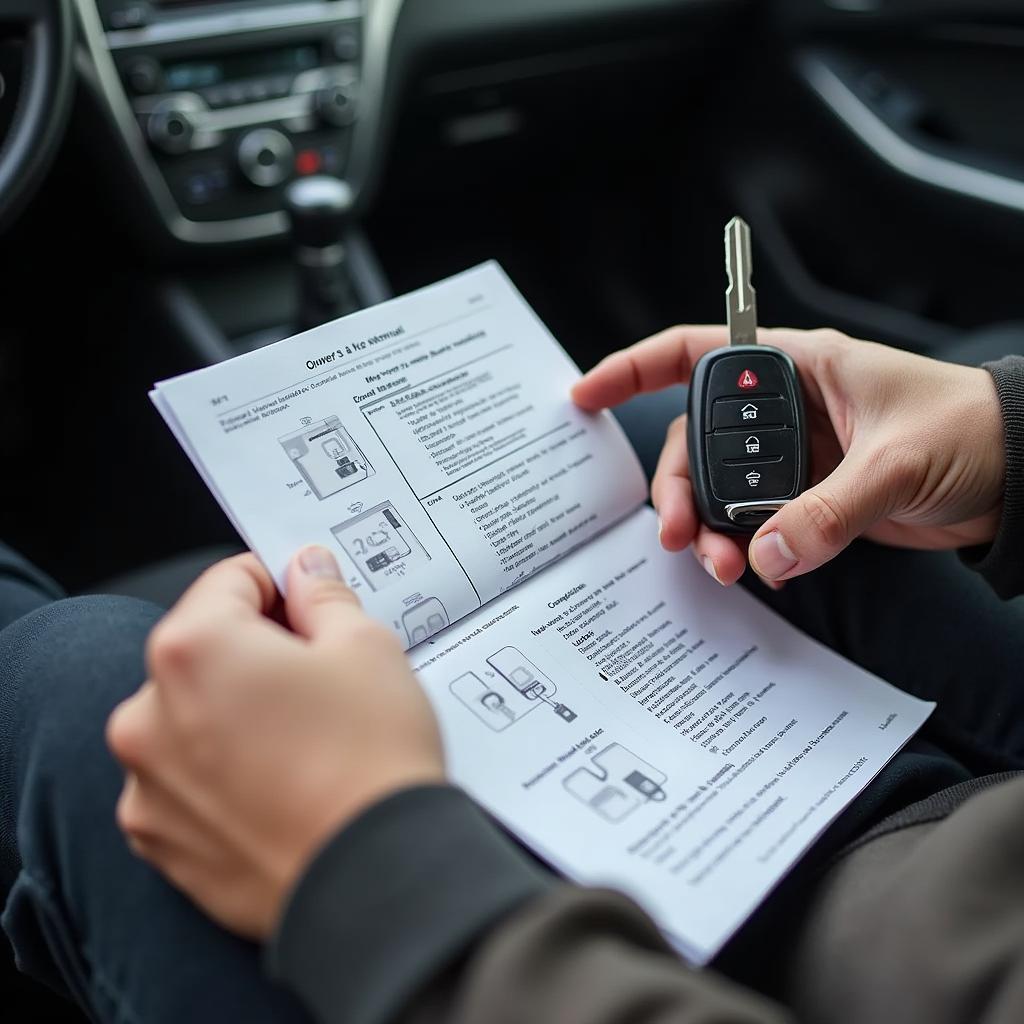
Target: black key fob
747, 436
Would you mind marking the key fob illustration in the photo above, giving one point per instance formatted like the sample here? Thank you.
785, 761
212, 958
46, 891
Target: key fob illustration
746, 429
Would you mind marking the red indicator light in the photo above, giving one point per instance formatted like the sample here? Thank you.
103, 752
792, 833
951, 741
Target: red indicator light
307, 161
748, 380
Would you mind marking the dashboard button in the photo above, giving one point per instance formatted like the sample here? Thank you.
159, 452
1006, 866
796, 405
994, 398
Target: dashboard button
345, 43
144, 76
216, 96
170, 128
256, 90
336, 104
278, 86
266, 157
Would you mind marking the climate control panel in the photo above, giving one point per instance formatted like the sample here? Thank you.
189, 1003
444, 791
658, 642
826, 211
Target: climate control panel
230, 116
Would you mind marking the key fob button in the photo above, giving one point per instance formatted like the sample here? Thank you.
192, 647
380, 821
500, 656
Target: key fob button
753, 480
751, 412
754, 445
748, 374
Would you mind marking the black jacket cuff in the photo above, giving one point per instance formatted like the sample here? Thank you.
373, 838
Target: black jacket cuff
393, 900
1002, 563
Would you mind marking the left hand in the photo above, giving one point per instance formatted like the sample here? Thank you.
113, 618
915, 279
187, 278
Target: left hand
252, 743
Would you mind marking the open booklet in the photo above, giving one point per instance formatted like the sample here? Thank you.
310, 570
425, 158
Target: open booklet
630, 720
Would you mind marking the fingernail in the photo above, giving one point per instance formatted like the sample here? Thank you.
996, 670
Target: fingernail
318, 561
661, 529
771, 556
709, 568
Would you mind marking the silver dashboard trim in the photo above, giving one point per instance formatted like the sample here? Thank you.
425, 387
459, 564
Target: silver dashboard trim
223, 23
901, 155
379, 20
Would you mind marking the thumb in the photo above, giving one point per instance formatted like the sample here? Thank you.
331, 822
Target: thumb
821, 522
318, 601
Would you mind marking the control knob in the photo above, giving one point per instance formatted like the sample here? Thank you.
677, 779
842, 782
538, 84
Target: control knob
170, 128
336, 103
266, 157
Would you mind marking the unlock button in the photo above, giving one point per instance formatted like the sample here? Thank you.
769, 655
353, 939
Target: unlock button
752, 445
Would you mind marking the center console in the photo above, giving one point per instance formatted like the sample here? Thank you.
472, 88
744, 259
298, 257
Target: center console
222, 104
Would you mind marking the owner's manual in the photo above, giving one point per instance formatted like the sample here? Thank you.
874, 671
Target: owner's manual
634, 723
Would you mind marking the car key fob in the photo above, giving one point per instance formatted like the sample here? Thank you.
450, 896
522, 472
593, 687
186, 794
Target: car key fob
746, 428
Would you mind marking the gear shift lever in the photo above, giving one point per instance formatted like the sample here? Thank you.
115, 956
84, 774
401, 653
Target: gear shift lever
318, 208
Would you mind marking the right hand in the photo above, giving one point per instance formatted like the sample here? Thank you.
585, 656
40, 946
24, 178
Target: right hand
904, 450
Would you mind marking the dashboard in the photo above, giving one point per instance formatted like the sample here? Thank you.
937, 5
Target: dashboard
218, 105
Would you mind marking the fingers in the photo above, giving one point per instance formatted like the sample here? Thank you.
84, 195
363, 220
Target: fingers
232, 596
238, 587
672, 493
657, 362
821, 522
319, 603
133, 732
722, 557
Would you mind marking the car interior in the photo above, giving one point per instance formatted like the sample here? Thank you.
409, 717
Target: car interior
182, 181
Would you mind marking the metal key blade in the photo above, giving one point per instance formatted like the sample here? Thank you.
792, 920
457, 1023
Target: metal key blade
740, 298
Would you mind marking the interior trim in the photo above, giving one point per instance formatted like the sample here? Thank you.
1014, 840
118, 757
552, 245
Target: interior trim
901, 155
229, 22
379, 20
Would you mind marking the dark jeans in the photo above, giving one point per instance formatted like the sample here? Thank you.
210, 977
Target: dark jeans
95, 922
85, 915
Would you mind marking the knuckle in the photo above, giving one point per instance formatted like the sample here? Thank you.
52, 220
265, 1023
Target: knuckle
830, 338
902, 468
366, 633
130, 813
124, 734
828, 523
332, 592
172, 647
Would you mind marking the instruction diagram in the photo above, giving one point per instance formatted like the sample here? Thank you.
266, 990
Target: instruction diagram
513, 688
616, 783
326, 456
382, 546
424, 619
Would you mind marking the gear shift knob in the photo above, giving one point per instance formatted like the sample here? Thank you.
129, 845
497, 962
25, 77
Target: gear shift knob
318, 209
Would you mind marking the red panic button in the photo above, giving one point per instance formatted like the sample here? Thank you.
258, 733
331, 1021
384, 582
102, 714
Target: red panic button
748, 380
307, 161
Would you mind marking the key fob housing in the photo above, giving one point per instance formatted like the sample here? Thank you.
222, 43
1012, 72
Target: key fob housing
747, 436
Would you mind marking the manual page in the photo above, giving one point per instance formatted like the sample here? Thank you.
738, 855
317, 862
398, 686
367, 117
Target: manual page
636, 724
429, 442
643, 728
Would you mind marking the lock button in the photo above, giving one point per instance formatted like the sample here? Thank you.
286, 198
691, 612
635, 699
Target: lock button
751, 412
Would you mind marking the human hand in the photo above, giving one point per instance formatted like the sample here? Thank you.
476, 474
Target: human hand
251, 744
904, 450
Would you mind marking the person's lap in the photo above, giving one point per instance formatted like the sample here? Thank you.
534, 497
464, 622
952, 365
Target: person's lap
82, 913
92, 919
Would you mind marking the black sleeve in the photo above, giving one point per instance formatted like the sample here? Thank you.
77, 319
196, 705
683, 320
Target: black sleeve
393, 900
422, 912
1002, 563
